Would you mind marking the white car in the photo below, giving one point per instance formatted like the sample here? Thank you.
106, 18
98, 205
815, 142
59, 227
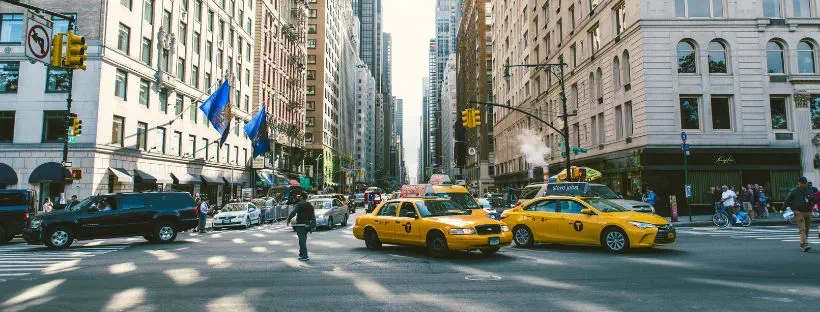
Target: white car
237, 215
329, 212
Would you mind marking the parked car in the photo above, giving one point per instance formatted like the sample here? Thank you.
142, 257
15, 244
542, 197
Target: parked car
329, 212
343, 199
156, 216
242, 215
266, 209
16, 208
596, 190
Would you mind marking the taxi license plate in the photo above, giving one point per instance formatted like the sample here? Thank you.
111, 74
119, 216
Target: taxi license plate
495, 241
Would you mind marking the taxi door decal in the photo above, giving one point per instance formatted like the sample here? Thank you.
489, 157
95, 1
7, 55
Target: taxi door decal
578, 226
408, 227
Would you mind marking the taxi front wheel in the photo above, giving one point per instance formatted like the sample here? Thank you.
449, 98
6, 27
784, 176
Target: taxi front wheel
437, 245
615, 240
523, 236
371, 239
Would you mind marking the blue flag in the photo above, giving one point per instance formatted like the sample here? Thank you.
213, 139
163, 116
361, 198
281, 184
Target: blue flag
257, 131
217, 108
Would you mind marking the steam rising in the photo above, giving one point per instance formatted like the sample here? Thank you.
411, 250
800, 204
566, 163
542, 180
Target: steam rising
533, 148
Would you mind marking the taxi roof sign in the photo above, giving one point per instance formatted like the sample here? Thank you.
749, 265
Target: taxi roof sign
439, 179
415, 190
568, 188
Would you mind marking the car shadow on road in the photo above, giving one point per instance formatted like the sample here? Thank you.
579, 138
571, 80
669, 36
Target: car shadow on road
420, 253
560, 248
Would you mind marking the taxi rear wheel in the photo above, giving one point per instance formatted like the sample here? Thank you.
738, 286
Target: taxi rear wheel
437, 245
371, 239
615, 240
523, 236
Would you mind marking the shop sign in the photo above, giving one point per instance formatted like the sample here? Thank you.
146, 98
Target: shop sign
258, 163
724, 160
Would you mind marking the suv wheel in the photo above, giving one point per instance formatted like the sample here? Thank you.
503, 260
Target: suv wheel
59, 238
165, 233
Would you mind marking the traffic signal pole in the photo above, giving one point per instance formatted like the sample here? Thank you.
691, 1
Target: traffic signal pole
69, 126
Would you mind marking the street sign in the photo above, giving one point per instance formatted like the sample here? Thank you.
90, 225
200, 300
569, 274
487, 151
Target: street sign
258, 163
471, 151
72, 139
684, 147
67, 164
688, 190
683, 137
38, 38
529, 174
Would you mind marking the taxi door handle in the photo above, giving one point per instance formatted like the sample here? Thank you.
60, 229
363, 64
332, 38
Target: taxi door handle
398, 222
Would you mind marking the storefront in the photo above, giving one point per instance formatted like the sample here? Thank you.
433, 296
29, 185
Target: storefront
7, 176
119, 180
183, 182
145, 181
210, 186
51, 177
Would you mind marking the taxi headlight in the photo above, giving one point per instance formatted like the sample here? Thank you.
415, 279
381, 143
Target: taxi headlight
36, 223
642, 225
462, 231
505, 228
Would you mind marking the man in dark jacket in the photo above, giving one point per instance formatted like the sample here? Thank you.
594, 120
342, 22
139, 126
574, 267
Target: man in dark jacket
305, 219
801, 200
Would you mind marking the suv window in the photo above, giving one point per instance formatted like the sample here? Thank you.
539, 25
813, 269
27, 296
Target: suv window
388, 210
529, 192
12, 199
171, 201
132, 201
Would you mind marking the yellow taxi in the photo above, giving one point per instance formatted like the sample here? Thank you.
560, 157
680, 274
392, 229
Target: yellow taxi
439, 224
568, 216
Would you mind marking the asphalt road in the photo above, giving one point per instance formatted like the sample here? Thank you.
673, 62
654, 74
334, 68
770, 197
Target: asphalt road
752, 269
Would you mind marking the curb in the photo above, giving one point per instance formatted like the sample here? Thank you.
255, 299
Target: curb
754, 223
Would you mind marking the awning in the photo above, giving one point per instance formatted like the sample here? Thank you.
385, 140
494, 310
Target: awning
149, 178
7, 175
210, 179
226, 180
121, 174
184, 178
50, 172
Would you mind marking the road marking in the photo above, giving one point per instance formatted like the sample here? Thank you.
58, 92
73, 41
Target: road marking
781, 233
21, 259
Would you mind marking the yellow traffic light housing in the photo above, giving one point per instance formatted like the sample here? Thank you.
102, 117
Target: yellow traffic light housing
57, 50
467, 118
76, 125
75, 51
476, 118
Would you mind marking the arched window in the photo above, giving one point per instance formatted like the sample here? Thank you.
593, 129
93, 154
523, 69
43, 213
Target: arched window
626, 78
687, 60
805, 57
616, 73
775, 58
592, 87
599, 84
717, 58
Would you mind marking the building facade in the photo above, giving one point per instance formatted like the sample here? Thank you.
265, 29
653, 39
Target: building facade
365, 123
450, 118
739, 80
150, 65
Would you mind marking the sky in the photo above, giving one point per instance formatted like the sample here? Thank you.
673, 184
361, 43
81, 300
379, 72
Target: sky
412, 25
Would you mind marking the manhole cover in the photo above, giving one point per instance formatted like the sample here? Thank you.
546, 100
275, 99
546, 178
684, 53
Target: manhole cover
482, 277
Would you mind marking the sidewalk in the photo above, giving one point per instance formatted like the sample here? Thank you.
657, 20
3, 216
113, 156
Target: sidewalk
706, 220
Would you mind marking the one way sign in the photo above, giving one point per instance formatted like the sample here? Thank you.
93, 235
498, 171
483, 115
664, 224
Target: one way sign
38, 38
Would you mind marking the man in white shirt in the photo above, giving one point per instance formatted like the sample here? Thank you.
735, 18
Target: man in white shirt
203, 215
728, 198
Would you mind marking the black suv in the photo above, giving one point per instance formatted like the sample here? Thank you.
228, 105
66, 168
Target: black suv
16, 207
158, 217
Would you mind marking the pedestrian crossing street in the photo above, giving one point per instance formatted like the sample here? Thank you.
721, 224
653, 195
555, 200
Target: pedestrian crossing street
777, 233
20, 259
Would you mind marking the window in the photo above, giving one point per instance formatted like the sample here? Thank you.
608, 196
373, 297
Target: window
247, 77
311, 59
121, 84
165, 61
619, 122
627, 70
126, 3
11, 28
616, 74
227, 153
117, 129
248, 50
166, 20
208, 81
198, 10
717, 58
163, 100
206, 148
123, 38
689, 112
814, 102
389, 210
142, 136
687, 61
210, 20
183, 34
221, 30
312, 13
699, 8
595, 39
310, 106
721, 113
544, 206
57, 80
192, 112
195, 76
54, 128
312, 29
311, 90
574, 54
192, 145
620, 18
236, 155
571, 16
161, 139
771, 8
311, 44
146, 51
308, 137
209, 52
219, 58
779, 113
601, 129
60, 24
310, 122
179, 105
178, 142
181, 69
628, 123
775, 58
7, 126
145, 91
148, 11
599, 81
802, 8
805, 57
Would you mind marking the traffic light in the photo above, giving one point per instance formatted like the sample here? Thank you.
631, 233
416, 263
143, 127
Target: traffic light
476, 118
579, 173
467, 118
76, 125
75, 51
76, 174
57, 50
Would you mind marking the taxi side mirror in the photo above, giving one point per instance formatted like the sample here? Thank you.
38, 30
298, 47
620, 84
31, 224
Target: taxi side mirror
587, 211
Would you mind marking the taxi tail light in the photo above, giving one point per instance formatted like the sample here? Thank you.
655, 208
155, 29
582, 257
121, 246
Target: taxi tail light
502, 217
25, 216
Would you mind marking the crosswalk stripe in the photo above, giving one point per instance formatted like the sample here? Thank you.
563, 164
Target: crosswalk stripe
774, 233
22, 259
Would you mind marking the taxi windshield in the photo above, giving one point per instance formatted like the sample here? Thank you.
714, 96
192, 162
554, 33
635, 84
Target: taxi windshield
438, 208
604, 205
462, 199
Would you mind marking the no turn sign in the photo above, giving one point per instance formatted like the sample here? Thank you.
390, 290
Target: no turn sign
38, 38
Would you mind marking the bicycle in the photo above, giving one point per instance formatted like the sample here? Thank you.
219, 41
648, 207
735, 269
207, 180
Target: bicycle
720, 218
